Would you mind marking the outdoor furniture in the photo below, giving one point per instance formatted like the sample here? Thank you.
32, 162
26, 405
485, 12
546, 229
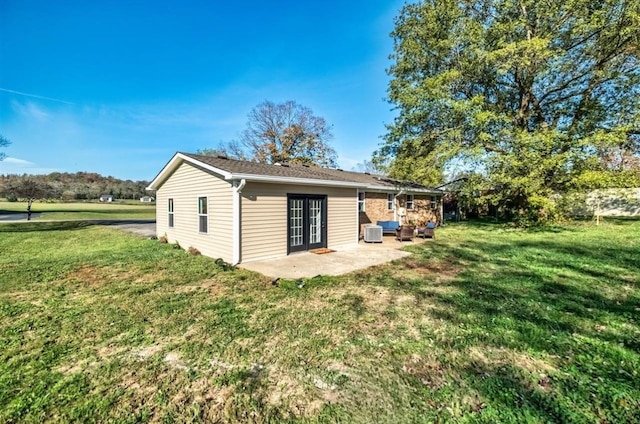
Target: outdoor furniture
405, 233
388, 227
429, 230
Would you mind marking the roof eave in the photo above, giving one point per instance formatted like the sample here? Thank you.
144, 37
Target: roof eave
293, 180
175, 162
405, 189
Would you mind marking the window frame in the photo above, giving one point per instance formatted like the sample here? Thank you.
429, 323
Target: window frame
391, 201
170, 213
361, 201
433, 202
409, 204
204, 215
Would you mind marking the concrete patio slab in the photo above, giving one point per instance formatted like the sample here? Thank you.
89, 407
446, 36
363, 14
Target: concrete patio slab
342, 261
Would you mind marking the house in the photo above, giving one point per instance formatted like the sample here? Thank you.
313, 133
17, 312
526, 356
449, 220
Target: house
614, 202
106, 198
245, 211
147, 199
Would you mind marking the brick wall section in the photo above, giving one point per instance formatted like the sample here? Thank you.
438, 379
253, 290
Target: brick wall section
422, 211
375, 206
376, 210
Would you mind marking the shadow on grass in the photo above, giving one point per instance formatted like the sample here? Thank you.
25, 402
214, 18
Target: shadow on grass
507, 389
576, 301
493, 224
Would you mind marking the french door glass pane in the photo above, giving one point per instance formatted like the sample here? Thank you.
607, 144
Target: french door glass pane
315, 221
295, 222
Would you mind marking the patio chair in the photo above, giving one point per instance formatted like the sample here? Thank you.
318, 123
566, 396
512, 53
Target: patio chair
405, 232
428, 230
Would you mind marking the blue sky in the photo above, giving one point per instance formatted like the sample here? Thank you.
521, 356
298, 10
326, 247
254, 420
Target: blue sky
117, 87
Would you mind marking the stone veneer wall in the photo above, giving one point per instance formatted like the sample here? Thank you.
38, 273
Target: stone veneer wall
376, 210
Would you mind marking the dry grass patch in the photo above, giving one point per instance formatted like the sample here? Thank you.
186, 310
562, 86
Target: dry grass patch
499, 357
437, 271
90, 275
26, 297
215, 286
429, 370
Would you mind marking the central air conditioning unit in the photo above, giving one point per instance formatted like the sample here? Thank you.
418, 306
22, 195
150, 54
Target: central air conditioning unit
373, 234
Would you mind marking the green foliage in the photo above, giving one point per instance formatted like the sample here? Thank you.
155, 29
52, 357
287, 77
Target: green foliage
80, 185
27, 189
538, 97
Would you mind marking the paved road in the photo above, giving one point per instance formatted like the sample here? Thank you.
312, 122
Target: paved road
142, 227
6, 217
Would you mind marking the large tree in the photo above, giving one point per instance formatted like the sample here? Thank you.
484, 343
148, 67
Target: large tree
530, 94
3, 143
28, 190
284, 132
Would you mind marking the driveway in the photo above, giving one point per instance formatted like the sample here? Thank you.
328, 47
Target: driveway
145, 228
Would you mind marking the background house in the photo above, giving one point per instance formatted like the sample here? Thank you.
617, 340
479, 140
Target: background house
614, 202
244, 211
108, 198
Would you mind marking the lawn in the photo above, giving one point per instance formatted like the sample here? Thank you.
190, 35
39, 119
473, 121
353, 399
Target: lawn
59, 211
484, 324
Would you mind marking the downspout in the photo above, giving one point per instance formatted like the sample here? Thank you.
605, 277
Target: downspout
237, 190
358, 215
395, 204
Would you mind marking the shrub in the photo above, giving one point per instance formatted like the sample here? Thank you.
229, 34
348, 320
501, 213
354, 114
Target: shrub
193, 251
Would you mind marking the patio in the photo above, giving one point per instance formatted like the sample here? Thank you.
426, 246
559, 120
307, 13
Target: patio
341, 261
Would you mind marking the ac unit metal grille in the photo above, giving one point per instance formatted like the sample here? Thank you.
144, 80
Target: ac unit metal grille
373, 234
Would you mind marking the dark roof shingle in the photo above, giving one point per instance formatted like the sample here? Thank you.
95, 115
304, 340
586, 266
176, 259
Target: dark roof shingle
295, 170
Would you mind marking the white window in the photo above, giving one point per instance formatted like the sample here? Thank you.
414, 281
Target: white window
391, 204
409, 202
203, 216
170, 210
434, 202
361, 201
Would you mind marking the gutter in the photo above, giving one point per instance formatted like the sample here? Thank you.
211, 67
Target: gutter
293, 180
237, 190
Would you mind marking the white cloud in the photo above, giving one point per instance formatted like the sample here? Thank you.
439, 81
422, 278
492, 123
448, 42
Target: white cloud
11, 165
18, 162
30, 110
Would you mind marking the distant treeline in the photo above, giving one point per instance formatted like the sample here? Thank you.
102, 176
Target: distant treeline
79, 186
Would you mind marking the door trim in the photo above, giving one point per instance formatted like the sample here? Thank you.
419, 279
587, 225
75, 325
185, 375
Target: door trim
305, 222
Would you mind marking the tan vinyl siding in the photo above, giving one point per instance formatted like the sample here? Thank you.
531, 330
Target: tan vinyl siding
264, 217
184, 186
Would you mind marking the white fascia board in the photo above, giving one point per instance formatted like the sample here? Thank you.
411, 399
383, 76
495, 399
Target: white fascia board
178, 159
292, 180
380, 189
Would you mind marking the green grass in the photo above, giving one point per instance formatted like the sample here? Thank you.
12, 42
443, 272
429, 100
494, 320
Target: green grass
485, 324
83, 211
